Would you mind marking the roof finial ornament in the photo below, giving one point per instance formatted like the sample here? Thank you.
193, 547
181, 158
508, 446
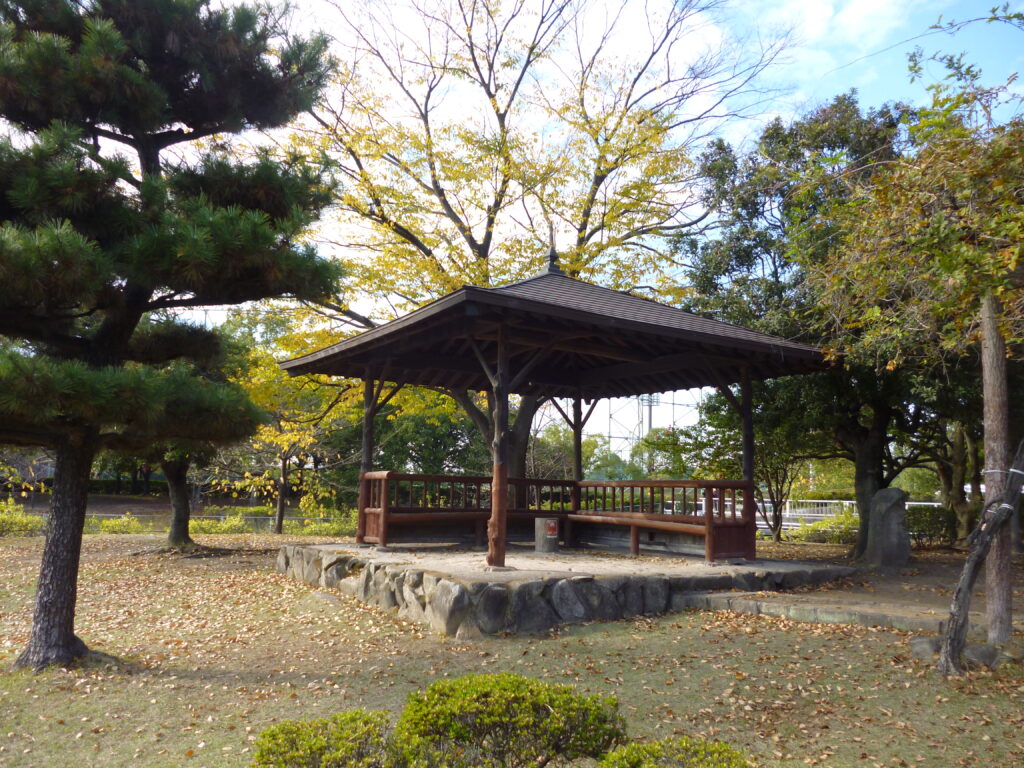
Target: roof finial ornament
553, 268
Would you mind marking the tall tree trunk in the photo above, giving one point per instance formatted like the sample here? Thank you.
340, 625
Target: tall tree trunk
995, 517
519, 432
53, 640
282, 497
996, 400
868, 447
176, 472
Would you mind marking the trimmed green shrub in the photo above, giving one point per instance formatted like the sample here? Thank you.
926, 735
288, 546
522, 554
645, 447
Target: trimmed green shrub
325, 527
930, 525
229, 510
506, 720
841, 529
14, 521
231, 524
125, 524
681, 752
355, 739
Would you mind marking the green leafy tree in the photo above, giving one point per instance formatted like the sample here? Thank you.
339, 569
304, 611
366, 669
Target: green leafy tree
103, 228
779, 210
930, 268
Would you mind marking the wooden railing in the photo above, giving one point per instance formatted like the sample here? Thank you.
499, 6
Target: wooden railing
721, 511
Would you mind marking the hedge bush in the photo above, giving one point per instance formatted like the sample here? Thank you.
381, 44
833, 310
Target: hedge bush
325, 527
506, 720
125, 524
480, 721
355, 739
841, 529
14, 521
681, 752
234, 523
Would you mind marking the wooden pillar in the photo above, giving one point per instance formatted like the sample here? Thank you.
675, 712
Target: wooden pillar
497, 526
577, 439
366, 461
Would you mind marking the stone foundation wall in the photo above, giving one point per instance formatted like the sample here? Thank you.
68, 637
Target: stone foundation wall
468, 609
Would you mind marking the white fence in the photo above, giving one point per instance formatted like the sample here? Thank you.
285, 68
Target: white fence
803, 511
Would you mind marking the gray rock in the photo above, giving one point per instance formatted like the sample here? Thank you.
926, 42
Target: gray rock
386, 597
567, 603
631, 598
364, 586
429, 583
282, 560
335, 558
982, 655
491, 606
528, 611
748, 581
711, 583
312, 570
680, 584
655, 590
600, 600
414, 578
888, 545
468, 630
924, 648
795, 578
447, 606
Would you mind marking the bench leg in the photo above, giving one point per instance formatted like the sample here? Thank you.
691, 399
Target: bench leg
479, 530
634, 540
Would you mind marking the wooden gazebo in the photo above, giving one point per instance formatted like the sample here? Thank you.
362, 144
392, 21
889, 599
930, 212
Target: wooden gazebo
557, 337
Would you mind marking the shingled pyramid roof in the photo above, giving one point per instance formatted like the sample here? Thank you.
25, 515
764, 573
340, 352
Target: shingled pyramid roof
592, 342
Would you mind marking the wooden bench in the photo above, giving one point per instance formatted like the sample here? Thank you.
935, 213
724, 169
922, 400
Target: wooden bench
720, 512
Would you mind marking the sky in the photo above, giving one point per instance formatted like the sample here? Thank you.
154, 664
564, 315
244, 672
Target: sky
863, 45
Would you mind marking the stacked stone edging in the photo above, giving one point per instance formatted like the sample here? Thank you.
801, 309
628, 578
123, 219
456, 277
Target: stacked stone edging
467, 609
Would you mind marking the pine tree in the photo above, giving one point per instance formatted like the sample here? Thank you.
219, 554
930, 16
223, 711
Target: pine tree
105, 236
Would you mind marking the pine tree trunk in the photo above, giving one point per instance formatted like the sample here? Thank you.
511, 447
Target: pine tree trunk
176, 472
996, 400
53, 640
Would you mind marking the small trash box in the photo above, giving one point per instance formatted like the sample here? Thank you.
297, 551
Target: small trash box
545, 531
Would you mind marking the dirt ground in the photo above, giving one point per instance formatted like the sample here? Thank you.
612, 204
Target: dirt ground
205, 651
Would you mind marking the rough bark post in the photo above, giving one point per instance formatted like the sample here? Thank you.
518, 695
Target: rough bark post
996, 401
993, 520
366, 461
176, 472
577, 439
497, 525
53, 640
282, 496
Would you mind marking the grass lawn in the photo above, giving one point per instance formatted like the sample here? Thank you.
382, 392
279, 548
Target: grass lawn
207, 651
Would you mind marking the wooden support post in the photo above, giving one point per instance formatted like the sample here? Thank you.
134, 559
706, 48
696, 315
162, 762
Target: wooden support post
709, 525
497, 526
634, 540
366, 461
